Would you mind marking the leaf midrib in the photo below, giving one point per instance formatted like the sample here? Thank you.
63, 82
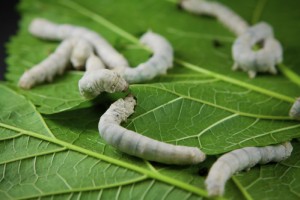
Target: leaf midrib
149, 173
212, 104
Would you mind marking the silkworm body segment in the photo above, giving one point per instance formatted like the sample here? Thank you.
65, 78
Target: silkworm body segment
81, 52
241, 159
295, 109
96, 81
93, 63
161, 60
55, 64
138, 145
224, 14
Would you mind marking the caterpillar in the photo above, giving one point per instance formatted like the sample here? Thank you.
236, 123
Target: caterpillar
81, 52
263, 60
161, 60
93, 63
138, 145
55, 64
241, 159
224, 14
45, 29
96, 81
295, 109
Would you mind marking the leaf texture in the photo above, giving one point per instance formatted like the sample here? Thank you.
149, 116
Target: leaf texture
200, 102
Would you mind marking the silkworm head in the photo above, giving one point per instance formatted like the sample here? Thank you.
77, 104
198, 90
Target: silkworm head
295, 109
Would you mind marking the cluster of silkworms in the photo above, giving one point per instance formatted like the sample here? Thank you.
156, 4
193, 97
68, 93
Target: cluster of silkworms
107, 70
85, 48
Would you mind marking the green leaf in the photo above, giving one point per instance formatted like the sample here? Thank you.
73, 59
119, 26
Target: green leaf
200, 102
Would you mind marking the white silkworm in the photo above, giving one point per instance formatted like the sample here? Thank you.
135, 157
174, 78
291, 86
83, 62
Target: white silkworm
96, 81
93, 63
241, 159
295, 109
138, 145
224, 14
262, 60
47, 30
55, 64
161, 60
81, 52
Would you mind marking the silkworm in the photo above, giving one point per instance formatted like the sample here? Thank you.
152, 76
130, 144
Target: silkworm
45, 29
295, 109
93, 63
224, 14
138, 145
46, 70
262, 60
161, 60
81, 52
241, 159
96, 81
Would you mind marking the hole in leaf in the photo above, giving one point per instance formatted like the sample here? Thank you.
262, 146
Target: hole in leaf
203, 171
217, 43
257, 46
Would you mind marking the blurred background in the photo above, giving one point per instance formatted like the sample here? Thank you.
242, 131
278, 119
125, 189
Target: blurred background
9, 24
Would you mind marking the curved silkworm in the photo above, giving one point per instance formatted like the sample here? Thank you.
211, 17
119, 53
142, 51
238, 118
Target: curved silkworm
138, 145
45, 29
96, 81
81, 52
46, 70
262, 60
241, 159
161, 60
295, 109
224, 14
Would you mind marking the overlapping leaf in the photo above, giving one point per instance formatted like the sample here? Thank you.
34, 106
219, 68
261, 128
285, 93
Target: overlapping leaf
201, 102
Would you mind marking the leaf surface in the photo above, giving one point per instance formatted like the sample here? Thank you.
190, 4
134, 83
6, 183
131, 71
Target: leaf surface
200, 102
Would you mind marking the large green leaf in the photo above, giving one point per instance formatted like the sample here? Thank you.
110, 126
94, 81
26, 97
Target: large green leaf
201, 102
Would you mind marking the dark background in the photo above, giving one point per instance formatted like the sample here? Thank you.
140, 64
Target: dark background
9, 25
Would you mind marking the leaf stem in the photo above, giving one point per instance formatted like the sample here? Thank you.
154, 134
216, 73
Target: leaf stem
241, 188
261, 4
292, 76
235, 81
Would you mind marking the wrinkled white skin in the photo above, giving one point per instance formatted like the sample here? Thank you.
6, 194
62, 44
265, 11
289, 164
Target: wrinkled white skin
241, 159
81, 51
295, 109
138, 145
45, 29
53, 65
96, 81
225, 15
262, 60
161, 60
